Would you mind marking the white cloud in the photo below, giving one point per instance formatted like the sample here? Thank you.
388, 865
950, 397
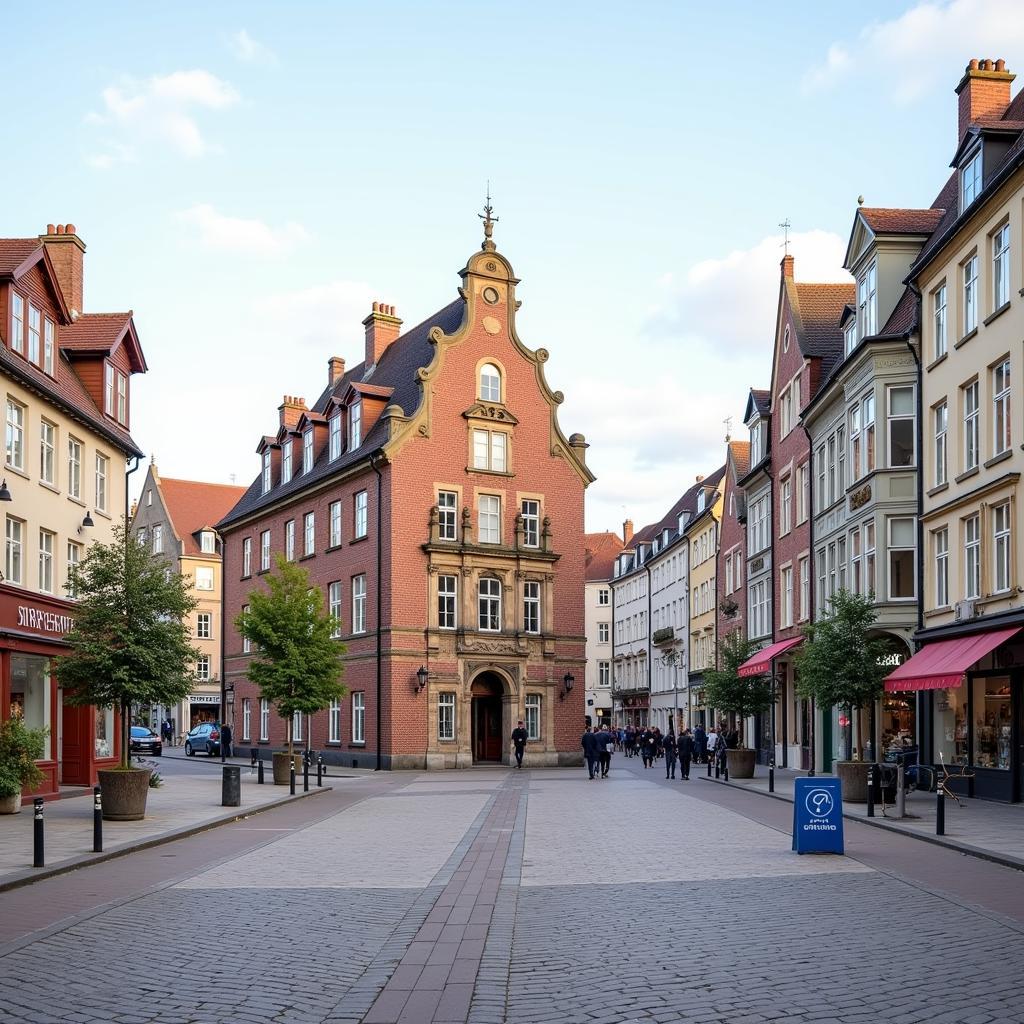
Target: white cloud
327, 316
250, 50
161, 110
913, 54
242, 235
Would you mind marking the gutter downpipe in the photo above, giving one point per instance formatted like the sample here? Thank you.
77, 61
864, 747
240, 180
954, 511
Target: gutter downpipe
380, 605
811, 560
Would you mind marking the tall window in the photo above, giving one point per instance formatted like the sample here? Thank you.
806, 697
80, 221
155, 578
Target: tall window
531, 606
264, 550
208, 542
334, 606
604, 673
489, 529
359, 604
13, 551
531, 523
869, 557
34, 330
335, 511
805, 587
855, 560
1001, 267
940, 550
970, 272
970, 181
803, 492
335, 436
247, 556
447, 515
867, 302
286, 461
204, 625
307, 450
158, 539
446, 597
49, 347
309, 533
755, 442
868, 447
355, 426
490, 450
297, 726
841, 460
203, 668
901, 559
970, 405
358, 718
47, 452
246, 719
1001, 547
108, 389
901, 426
759, 533
246, 642
359, 524
820, 493
831, 466
74, 557
334, 721
940, 415
939, 320
264, 719
17, 322
785, 506
101, 482
972, 556
446, 716
46, 544
822, 577
74, 468
1001, 407
786, 613
489, 604
15, 435
602, 633
122, 398
266, 472
532, 721
603, 596
850, 337
490, 383
204, 577
289, 540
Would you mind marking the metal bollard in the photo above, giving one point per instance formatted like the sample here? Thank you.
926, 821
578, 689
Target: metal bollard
871, 790
901, 793
725, 767
231, 786
709, 768
320, 770
97, 820
718, 767
291, 779
254, 756
259, 772
771, 775
940, 809
305, 774
38, 857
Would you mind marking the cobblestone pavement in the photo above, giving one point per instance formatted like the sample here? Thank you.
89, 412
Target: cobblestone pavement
536, 896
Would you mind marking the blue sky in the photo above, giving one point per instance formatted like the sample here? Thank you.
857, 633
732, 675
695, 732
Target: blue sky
248, 177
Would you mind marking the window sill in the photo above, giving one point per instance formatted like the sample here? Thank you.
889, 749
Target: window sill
17, 472
262, 572
50, 487
333, 547
931, 613
247, 576
489, 472
937, 490
333, 743
967, 475
966, 338
357, 746
100, 512
306, 558
81, 504
996, 313
358, 540
936, 362
1001, 457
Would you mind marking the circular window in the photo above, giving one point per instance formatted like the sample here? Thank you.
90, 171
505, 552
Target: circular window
491, 295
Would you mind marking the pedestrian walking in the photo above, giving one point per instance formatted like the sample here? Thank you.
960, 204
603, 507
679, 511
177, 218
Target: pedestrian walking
700, 744
605, 745
170, 731
590, 750
668, 745
647, 748
225, 739
712, 744
519, 743
685, 752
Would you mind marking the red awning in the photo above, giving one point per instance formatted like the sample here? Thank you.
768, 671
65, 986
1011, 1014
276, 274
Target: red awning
943, 663
762, 661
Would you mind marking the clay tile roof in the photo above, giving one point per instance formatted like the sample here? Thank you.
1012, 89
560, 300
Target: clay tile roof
904, 317
740, 451
601, 550
93, 331
819, 308
901, 222
193, 505
14, 252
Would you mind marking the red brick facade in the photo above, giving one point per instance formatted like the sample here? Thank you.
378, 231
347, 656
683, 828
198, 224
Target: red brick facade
422, 408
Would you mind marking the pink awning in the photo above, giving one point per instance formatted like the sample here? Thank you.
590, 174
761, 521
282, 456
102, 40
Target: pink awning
942, 664
761, 662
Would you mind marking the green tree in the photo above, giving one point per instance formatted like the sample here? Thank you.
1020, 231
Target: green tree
131, 642
727, 690
296, 664
840, 663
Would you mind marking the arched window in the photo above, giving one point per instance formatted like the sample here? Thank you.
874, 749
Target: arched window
490, 383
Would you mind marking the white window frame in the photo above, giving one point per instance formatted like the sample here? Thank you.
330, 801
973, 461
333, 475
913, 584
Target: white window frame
940, 421
604, 673
158, 539
266, 472
203, 668
49, 346
787, 597
204, 578
108, 388
307, 450
447, 515
447, 601
971, 453
359, 603
490, 450
264, 719
969, 269
246, 557
805, 587
940, 323
489, 519
867, 301
489, 384
246, 642
264, 550
286, 460
1002, 565
603, 596
897, 418
334, 515
531, 606
532, 713
334, 602
603, 633
360, 520
122, 399
309, 534
204, 625
334, 721
530, 511
15, 435
74, 555
940, 548
208, 542
48, 452
785, 506
334, 429
17, 323
246, 719
489, 604
297, 726
972, 556
102, 468
289, 540
359, 717
47, 544
14, 553
446, 717
970, 180
355, 425
35, 333
1001, 266
893, 549
1001, 411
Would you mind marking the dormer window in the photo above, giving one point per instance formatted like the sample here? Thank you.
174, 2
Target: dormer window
108, 389
208, 542
701, 498
755, 443
34, 333
335, 436
307, 450
286, 461
122, 399
266, 472
48, 346
850, 337
867, 301
17, 323
970, 180
115, 387
355, 426
490, 383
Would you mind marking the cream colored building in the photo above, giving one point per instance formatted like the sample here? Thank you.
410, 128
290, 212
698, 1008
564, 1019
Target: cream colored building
601, 552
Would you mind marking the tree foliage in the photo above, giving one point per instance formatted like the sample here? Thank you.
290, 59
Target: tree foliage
840, 663
130, 643
727, 690
20, 748
296, 664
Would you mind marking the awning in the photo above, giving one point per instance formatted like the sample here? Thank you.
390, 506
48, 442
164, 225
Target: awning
762, 661
942, 664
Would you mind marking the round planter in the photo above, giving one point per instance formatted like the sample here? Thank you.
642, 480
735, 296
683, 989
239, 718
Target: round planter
10, 804
741, 763
281, 765
124, 793
854, 777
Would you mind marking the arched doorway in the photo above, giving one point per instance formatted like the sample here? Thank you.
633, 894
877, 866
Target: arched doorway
487, 728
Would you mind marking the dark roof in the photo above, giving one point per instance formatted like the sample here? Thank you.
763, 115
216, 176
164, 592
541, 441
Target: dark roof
686, 503
900, 222
600, 551
762, 400
903, 318
193, 505
396, 370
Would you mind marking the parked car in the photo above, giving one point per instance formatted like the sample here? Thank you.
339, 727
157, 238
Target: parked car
145, 741
204, 738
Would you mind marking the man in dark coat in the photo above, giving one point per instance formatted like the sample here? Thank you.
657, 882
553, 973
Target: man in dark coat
668, 745
590, 750
685, 751
519, 743
700, 744
605, 745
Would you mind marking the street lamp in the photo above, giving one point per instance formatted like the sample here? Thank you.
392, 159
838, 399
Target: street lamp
5, 494
421, 679
567, 683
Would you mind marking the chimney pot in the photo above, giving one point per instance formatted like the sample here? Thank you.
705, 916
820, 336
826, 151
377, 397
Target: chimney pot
49, 229
1000, 64
70, 229
380, 332
60, 229
983, 92
973, 66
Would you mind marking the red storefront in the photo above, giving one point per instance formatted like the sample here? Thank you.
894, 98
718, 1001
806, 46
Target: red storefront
81, 740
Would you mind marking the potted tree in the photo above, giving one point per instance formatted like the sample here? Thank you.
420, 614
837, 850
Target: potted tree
841, 665
129, 645
20, 748
297, 662
742, 696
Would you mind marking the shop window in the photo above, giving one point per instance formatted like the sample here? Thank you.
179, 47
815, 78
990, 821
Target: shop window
993, 722
104, 742
30, 693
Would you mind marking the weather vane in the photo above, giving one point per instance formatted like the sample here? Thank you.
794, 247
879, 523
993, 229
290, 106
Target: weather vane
785, 225
728, 428
489, 221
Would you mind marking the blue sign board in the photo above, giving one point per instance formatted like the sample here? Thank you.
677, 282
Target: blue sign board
818, 816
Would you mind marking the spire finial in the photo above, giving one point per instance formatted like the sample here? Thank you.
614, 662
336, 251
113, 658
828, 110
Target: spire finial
489, 221
785, 225
728, 428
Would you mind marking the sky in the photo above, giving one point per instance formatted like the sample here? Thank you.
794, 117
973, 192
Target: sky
249, 177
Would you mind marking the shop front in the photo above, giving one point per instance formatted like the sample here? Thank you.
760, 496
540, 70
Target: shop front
80, 740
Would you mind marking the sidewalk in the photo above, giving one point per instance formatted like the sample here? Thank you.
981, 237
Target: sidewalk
183, 805
980, 828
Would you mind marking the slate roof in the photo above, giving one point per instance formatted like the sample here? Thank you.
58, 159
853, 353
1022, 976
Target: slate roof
686, 503
193, 505
903, 318
900, 222
601, 550
395, 370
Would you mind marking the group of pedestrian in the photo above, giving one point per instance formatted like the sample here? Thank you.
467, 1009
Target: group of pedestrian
598, 744
167, 731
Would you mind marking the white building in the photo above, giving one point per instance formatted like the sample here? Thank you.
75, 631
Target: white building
601, 551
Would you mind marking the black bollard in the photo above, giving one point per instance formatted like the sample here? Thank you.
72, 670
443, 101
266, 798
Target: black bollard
259, 772
305, 774
718, 768
940, 809
291, 779
709, 768
725, 767
320, 770
231, 786
38, 853
771, 775
97, 820
871, 790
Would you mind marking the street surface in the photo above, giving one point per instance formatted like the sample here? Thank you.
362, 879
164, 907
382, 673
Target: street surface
491, 895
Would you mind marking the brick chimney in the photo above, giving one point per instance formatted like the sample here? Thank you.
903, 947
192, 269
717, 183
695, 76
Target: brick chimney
984, 92
382, 327
291, 410
335, 369
627, 531
67, 253
787, 267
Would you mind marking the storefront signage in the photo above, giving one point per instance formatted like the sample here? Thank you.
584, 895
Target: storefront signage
818, 816
893, 660
204, 698
44, 621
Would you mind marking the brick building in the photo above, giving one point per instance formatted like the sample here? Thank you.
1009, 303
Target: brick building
438, 507
732, 547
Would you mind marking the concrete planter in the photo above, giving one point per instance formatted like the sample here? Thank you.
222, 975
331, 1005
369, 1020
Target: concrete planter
282, 776
741, 763
124, 793
854, 777
10, 804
